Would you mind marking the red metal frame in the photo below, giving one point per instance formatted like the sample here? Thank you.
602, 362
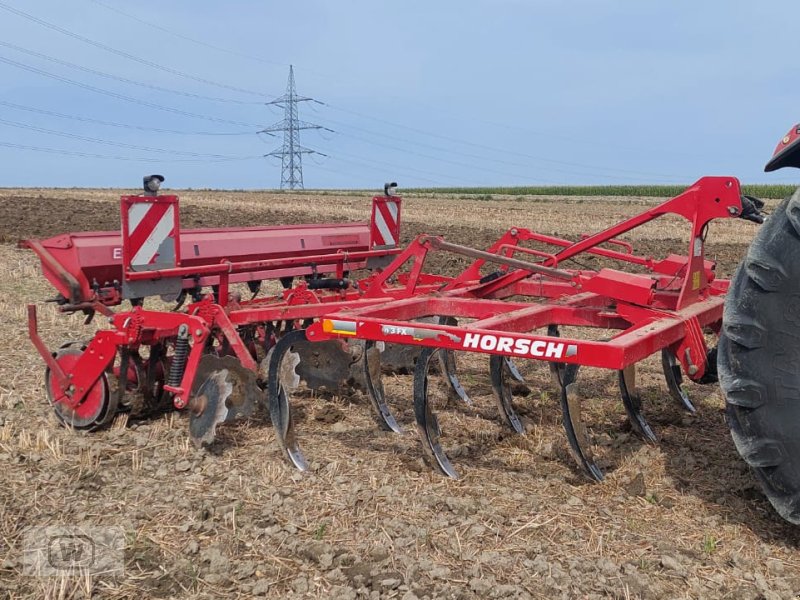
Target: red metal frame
668, 305
666, 308
87, 267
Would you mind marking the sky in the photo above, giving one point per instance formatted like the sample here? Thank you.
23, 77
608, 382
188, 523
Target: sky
97, 93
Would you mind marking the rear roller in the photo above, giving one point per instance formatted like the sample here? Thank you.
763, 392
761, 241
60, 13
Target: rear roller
98, 406
281, 381
577, 435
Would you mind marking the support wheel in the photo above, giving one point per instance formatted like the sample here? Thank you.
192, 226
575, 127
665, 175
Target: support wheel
96, 409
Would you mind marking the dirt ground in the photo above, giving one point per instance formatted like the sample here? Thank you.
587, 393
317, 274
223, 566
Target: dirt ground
683, 519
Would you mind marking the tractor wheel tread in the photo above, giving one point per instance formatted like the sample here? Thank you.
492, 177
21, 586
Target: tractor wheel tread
758, 358
765, 271
793, 211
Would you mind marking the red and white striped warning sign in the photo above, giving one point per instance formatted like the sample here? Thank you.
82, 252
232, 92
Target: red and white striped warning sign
150, 232
385, 221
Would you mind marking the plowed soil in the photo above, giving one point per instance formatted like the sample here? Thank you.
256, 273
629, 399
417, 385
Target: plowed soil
681, 519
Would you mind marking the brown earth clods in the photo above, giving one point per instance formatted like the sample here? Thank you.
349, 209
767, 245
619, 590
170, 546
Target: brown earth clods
684, 519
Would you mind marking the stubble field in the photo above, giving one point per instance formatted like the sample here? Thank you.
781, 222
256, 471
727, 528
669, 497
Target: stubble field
684, 519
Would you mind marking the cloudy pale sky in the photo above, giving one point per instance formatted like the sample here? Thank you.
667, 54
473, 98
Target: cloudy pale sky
427, 93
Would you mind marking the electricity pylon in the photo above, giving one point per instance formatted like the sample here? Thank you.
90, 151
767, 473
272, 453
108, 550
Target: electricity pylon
291, 152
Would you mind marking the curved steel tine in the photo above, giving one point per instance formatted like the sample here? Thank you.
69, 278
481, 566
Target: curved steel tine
577, 436
674, 378
556, 369
375, 391
281, 381
512, 369
427, 423
498, 370
633, 403
447, 363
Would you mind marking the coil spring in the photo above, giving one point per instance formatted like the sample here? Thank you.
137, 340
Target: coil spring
179, 358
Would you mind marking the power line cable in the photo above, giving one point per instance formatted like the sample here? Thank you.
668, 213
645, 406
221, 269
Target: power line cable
394, 139
393, 168
82, 119
125, 158
447, 111
123, 79
84, 138
187, 38
105, 92
486, 147
123, 54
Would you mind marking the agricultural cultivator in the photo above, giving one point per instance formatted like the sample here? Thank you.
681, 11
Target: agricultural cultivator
355, 305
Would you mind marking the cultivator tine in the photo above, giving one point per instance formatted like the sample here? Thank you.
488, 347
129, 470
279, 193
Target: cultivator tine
498, 370
556, 369
633, 403
674, 378
208, 407
282, 380
577, 436
427, 422
447, 363
375, 392
512, 369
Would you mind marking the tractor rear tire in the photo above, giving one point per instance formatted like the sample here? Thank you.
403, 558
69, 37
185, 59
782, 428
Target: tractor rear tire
759, 358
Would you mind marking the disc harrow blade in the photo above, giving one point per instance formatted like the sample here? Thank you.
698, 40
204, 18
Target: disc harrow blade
633, 403
209, 407
223, 391
334, 366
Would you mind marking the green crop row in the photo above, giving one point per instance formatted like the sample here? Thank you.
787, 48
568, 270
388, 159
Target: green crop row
759, 190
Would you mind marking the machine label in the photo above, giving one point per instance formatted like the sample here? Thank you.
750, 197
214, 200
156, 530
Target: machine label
519, 346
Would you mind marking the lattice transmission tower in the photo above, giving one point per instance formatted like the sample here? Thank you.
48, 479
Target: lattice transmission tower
291, 152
